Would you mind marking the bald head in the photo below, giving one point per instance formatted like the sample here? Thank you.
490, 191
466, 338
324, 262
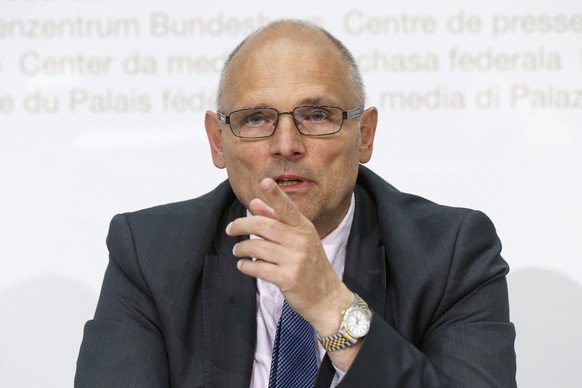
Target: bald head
252, 48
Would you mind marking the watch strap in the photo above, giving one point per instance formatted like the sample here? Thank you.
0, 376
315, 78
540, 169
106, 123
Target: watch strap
342, 339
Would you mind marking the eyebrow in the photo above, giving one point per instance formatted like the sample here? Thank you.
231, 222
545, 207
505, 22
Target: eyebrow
320, 101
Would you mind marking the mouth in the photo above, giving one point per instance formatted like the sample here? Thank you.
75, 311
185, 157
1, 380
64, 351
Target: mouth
290, 181
282, 182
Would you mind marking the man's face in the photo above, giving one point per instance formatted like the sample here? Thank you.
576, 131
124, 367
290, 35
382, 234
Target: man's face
317, 173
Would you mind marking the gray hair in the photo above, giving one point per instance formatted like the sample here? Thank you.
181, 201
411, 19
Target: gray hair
353, 75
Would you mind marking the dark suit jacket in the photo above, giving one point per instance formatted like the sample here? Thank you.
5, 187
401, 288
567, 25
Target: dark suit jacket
175, 311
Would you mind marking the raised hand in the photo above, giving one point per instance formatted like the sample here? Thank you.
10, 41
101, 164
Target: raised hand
291, 257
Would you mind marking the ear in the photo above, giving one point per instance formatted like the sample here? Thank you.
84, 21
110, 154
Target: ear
214, 133
368, 124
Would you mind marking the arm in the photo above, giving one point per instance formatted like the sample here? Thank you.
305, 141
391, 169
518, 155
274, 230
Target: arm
469, 341
122, 346
293, 259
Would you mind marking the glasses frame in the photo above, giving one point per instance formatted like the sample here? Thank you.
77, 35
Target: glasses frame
346, 115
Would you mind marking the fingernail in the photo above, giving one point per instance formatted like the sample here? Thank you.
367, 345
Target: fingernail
234, 249
239, 264
227, 230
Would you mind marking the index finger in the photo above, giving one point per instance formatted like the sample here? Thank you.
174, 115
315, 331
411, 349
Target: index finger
283, 207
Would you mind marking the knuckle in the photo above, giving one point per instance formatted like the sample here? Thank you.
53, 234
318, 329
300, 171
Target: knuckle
260, 224
303, 245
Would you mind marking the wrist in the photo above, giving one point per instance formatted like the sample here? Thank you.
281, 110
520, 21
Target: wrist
328, 319
354, 326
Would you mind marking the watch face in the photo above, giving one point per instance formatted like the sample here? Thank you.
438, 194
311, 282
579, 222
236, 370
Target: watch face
357, 323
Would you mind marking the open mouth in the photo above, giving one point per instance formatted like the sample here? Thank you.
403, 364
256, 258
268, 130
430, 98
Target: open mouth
282, 182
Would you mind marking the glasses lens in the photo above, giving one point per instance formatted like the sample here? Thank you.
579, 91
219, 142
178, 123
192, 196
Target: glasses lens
318, 120
253, 123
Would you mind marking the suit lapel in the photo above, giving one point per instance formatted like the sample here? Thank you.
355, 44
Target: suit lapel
365, 267
229, 311
229, 297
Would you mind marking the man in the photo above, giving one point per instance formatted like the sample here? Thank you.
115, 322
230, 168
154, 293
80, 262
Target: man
400, 292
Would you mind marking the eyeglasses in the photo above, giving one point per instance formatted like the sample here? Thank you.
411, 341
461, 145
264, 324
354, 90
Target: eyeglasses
258, 123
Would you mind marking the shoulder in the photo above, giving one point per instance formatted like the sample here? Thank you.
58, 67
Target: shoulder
405, 209
214, 200
193, 212
435, 254
410, 219
426, 240
169, 233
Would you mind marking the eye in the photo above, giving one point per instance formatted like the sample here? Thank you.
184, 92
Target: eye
254, 119
317, 115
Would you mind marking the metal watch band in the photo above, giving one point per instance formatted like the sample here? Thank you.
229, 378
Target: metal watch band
342, 339
337, 341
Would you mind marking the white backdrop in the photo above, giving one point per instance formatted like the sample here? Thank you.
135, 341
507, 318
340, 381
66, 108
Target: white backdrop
101, 111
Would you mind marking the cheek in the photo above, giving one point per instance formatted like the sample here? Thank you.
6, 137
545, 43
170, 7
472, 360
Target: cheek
344, 167
344, 159
241, 184
243, 169
235, 158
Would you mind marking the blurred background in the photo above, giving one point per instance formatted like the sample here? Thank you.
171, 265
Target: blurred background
101, 111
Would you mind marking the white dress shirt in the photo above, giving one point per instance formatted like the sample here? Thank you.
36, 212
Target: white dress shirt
270, 304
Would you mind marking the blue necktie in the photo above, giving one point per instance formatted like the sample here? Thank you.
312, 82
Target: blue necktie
294, 363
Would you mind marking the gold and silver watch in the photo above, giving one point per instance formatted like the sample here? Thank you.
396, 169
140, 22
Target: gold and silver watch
355, 325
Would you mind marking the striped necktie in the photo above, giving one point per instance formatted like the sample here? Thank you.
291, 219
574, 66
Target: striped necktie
294, 363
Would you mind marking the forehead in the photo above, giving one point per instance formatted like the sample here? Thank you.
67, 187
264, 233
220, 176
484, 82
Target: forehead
287, 68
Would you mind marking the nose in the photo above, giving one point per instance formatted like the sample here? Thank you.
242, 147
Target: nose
287, 141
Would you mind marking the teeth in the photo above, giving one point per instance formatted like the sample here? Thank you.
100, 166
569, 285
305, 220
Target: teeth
287, 182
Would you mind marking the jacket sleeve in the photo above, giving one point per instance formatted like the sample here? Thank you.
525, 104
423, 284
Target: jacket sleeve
470, 340
123, 345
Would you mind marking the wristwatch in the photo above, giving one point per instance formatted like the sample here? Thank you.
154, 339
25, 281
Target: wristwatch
355, 325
